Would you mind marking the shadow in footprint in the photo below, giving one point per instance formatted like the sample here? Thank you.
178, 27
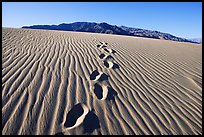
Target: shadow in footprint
106, 64
98, 91
115, 66
103, 77
106, 50
94, 74
104, 92
110, 50
111, 94
111, 65
109, 57
59, 133
98, 46
103, 46
73, 115
113, 51
102, 56
91, 122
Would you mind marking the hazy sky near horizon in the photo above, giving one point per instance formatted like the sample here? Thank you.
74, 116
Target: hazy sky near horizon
182, 19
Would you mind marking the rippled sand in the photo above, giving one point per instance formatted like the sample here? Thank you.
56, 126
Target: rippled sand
57, 82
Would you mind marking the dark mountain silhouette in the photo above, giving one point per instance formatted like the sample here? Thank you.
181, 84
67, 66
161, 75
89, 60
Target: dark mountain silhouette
109, 29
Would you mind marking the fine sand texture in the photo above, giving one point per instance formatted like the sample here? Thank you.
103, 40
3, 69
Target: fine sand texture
71, 83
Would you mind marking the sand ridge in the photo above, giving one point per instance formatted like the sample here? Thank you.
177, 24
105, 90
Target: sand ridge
154, 88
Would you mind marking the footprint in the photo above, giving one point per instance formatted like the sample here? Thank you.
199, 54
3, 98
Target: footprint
107, 50
102, 56
91, 122
104, 43
101, 46
108, 57
59, 133
95, 75
110, 50
103, 92
111, 93
105, 57
98, 90
76, 116
110, 64
98, 46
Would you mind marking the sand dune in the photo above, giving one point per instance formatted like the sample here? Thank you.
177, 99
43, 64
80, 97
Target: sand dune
64, 83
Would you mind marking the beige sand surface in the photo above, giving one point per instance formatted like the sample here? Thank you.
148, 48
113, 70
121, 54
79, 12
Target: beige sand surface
54, 82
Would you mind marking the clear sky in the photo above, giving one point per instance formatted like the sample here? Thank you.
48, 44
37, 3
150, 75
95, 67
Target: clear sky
182, 19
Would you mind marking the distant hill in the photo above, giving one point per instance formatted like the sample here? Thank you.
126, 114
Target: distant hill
110, 29
198, 40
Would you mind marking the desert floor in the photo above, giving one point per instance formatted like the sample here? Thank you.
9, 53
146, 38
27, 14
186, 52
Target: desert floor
57, 82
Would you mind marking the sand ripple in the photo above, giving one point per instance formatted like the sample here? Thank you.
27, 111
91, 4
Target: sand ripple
156, 88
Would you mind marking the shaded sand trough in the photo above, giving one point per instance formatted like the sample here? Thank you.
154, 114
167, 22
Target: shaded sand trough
64, 83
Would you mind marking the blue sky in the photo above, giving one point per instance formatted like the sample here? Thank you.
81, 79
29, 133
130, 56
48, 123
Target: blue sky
182, 19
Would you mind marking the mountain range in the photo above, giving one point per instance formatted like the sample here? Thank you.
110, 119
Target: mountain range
110, 29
